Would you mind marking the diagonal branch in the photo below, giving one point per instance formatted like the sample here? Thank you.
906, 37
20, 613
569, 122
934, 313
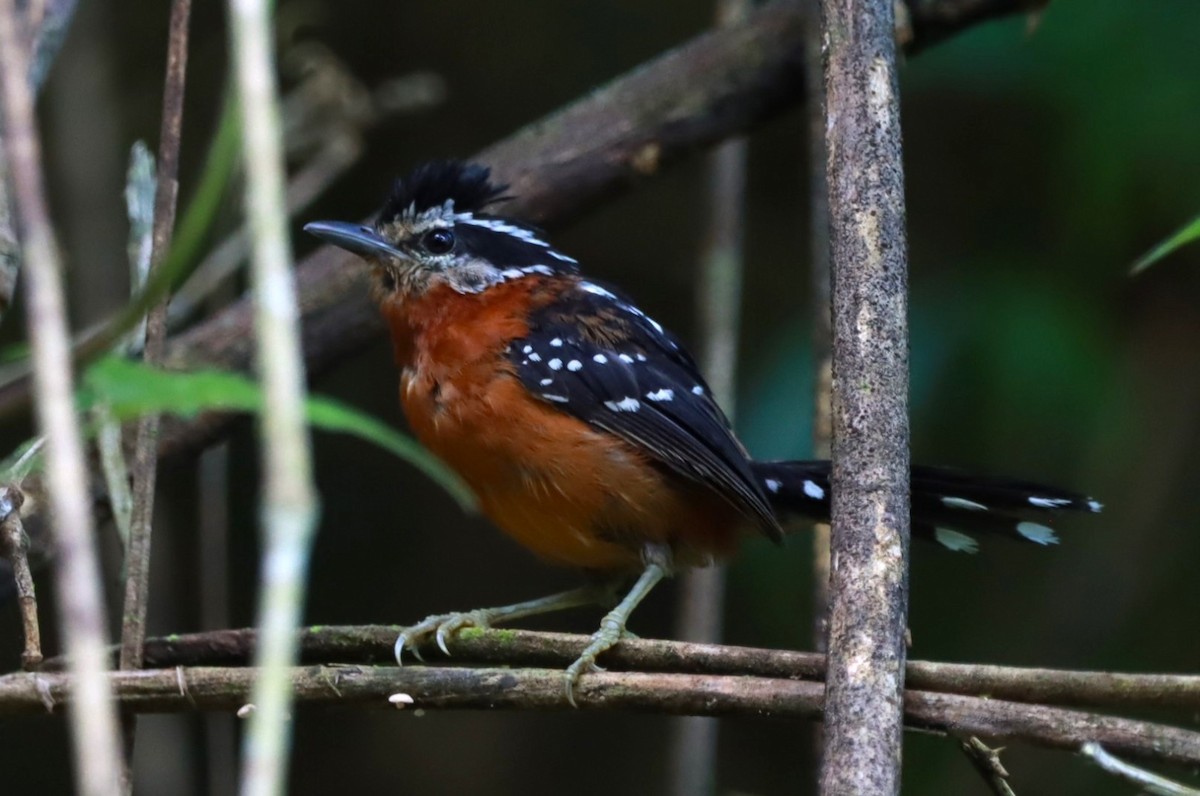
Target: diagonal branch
720, 84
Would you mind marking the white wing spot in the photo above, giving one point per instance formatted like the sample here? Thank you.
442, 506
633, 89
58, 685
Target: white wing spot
546, 382
953, 540
665, 394
535, 357
556, 342
625, 358
641, 357
595, 290
1036, 532
962, 503
1049, 503
772, 485
1095, 505
558, 399
600, 359
813, 490
574, 364
526, 349
698, 390
555, 364
624, 405
657, 326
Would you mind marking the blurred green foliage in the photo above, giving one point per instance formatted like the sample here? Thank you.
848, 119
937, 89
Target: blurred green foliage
131, 389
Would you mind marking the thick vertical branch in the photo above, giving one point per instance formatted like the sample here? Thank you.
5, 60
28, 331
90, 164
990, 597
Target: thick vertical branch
93, 717
702, 591
869, 578
289, 501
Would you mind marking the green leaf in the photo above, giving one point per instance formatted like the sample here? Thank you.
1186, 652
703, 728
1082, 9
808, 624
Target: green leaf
132, 389
1189, 233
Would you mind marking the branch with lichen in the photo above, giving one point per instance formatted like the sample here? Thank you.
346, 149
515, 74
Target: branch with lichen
203, 688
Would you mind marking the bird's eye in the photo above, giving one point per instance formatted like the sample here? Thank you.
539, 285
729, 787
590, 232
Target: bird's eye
438, 241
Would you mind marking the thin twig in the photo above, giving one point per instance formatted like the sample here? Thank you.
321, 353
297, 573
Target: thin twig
1148, 781
93, 720
289, 502
205, 688
701, 602
145, 455
986, 761
144, 471
139, 207
14, 546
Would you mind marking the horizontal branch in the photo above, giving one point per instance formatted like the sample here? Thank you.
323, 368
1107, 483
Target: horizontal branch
373, 644
227, 688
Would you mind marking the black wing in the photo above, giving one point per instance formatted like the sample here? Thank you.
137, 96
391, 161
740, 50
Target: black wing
595, 356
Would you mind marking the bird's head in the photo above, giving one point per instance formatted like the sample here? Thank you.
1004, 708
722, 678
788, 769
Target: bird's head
434, 229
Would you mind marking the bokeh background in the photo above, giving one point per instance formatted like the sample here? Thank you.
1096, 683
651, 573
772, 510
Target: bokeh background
1042, 160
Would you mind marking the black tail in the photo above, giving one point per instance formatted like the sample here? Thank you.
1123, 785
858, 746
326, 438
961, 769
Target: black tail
947, 505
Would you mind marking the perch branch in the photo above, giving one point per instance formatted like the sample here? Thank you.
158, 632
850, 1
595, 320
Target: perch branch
208, 688
374, 643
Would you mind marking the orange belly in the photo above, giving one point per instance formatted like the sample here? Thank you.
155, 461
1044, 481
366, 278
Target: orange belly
571, 494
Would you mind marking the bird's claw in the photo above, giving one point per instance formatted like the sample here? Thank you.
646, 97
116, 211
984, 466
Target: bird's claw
604, 639
439, 627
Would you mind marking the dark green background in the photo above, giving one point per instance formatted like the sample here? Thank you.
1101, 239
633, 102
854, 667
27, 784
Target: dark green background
1040, 164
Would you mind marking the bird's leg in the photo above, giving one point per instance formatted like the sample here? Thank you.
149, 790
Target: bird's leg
612, 627
440, 626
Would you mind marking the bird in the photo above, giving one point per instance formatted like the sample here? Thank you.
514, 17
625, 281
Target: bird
583, 426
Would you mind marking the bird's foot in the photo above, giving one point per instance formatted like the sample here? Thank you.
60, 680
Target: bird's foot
439, 627
611, 632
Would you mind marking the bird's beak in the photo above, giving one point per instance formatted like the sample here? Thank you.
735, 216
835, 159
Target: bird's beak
355, 238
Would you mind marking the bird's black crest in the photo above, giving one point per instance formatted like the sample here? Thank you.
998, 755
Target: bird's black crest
434, 183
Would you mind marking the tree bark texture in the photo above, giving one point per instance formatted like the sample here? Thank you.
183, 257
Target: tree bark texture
869, 564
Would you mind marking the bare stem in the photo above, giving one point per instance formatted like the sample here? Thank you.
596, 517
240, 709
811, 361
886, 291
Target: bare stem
289, 501
144, 470
93, 719
373, 643
14, 546
868, 589
145, 453
433, 688
986, 761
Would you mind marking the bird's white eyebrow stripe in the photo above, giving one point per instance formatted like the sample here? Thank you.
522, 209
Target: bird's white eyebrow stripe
505, 228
